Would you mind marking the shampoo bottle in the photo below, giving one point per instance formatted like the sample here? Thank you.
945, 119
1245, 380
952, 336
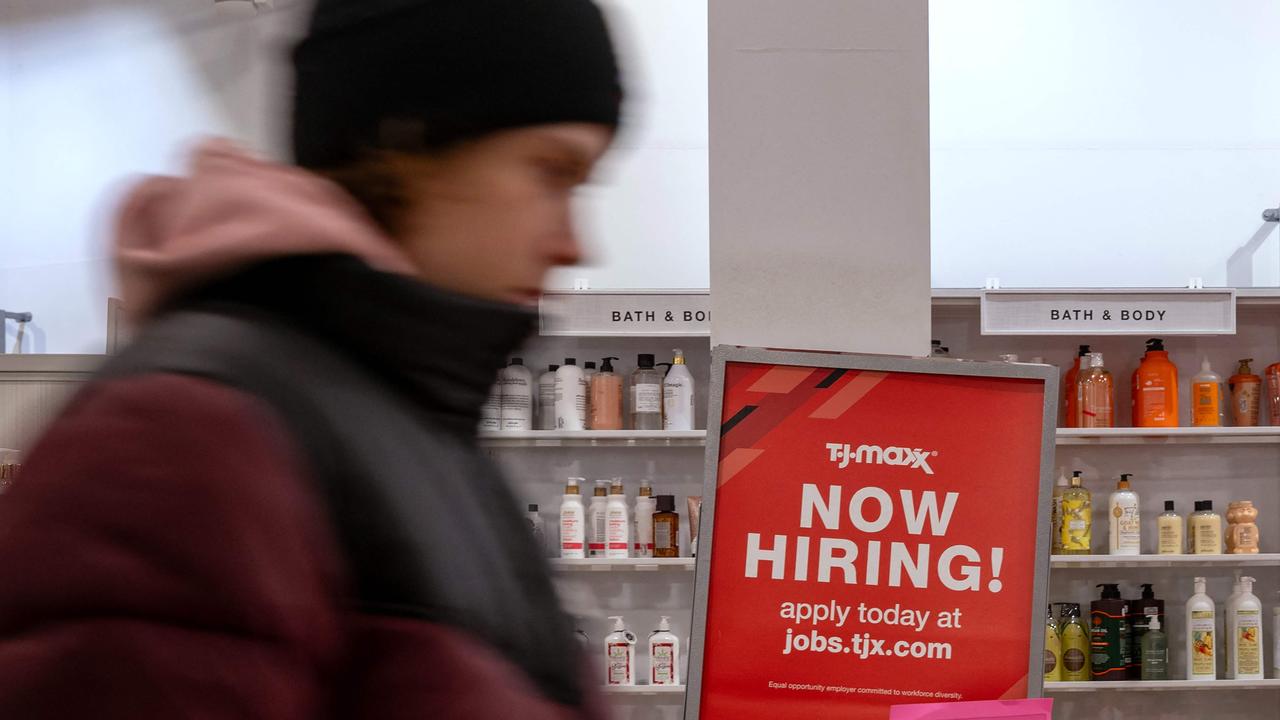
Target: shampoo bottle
664, 655
1155, 651
1052, 649
571, 397
677, 396
606, 398
617, 523
646, 395
597, 520
1110, 636
1075, 645
1169, 531
573, 528
1201, 659
1077, 518
1095, 395
646, 506
1155, 388
1126, 535
517, 396
1246, 395
620, 654
1244, 617
547, 398
1206, 397
1069, 387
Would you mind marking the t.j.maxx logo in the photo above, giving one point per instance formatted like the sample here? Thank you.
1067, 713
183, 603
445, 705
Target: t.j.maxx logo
918, 459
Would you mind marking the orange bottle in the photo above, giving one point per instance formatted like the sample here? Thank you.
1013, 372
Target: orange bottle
1246, 395
1069, 388
1155, 388
1273, 392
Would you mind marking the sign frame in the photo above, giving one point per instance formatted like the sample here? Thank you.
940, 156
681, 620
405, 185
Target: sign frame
549, 326
1227, 295
721, 355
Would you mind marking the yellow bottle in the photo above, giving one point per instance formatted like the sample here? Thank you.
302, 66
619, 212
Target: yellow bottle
1169, 531
1077, 518
1075, 645
1052, 649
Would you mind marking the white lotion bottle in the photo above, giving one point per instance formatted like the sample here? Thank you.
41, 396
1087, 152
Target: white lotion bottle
571, 397
516, 404
1244, 616
1228, 634
1125, 520
617, 523
573, 525
547, 399
491, 410
1201, 647
646, 506
677, 395
664, 655
620, 654
597, 520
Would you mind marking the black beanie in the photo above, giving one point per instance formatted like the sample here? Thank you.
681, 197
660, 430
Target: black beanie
445, 71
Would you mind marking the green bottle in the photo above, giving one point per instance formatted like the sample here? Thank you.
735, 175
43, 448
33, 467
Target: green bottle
1075, 644
1109, 626
1155, 651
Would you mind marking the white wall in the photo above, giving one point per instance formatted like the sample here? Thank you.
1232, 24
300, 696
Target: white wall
1104, 142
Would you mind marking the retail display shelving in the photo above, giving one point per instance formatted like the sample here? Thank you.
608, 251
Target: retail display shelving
1154, 561
595, 438
666, 691
1161, 686
624, 565
1170, 436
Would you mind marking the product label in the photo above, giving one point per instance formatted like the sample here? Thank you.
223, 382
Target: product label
571, 545
1155, 665
1202, 658
662, 534
1055, 521
1050, 662
646, 398
1170, 537
676, 398
1154, 404
1110, 643
596, 537
1076, 525
1125, 534
1207, 400
662, 671
1073, 660
617, 534
619, 658
1208, 538
1248, 649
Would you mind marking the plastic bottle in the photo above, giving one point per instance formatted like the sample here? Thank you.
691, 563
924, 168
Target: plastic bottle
588, 373
617, 523
1069, 387
571, 397
597, 520
547, 398
677, 395
1228, 634
1246, 395
1110, 635
1155, 388
1169, 537
1055, 518
1155, 651
1140, 612
1201, 652
1206, 397
1075, 645
1077, 518
606, 398
1273, 395
533, 519
517, 396
1205, 530
1052, 649
666, 528
573, 526
646, 506
646, 395
620, 654
1244, 617
491, 410
1095, 395
1275, 637
664, 655
1125, 519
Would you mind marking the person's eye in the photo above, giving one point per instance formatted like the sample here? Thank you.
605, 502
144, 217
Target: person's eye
560, 173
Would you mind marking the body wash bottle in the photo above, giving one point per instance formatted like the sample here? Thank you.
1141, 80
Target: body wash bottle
1069, 387
666, 528
1169, 539
1155, 651
1052, 649
617, 523
677, 395
1246, 395
1095, 395
1155, 388
646, 395
573, 525
1077, 518
620, 654
1201, 658
606, 398
1125, 524
1206, 397
664, 655
1075, 645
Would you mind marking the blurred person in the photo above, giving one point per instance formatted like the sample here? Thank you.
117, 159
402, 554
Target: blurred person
272, 503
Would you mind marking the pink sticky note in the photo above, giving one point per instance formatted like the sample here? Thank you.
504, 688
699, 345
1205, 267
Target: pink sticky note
1036, 709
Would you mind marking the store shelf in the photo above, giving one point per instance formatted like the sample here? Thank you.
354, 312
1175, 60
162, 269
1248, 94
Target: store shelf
1160, 685
624, 565
1121, 561
673, 691
1170, 436
595, 438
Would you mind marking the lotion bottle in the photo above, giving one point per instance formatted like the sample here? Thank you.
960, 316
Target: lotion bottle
1228, 630
597, 520
571, 398
677, 396
517, 396
664, 655
1206, 397
573, 528
1201, 651
1246, 395
1169, 540
606, 398
1244, 618
1124, 517
1155, 651
620, 654
617, 523
1206, 529
646, 506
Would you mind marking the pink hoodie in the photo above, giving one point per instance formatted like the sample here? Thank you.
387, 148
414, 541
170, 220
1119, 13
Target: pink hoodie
235, 210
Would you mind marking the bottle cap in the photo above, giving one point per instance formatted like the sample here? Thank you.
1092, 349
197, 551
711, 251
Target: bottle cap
533, 507
589, 365
666, 503
552, 368
616, 488
1084, 350
679, 357
644, 360
1200, 505
646, 489
1124, 481
607, 364
517, 361
602, 488
1208, 505
570, 361
618, 625
1168, 506
1062, 478
1147, 592
1155, 345
1205, 367
1110, 591
1244, 367
571, 488
1153, 622
664, 624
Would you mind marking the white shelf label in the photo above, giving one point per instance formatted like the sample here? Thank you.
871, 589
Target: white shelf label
613, 314
1109, 312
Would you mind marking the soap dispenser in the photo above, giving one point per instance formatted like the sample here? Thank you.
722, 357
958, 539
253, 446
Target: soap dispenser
664, 655
620, 654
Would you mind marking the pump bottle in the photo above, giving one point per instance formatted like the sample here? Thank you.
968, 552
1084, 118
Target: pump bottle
573, 522
1201, 651
1069, 387
617, 524
620, 654
597, 520
1125, 523
646, 395
1052, 649
664, 655
1155, 388
1244, 626
1077, 518
646, 506
677, 396
1246, 395
1075, 645
1155, 651
1055, 519
606, 398
1095, 395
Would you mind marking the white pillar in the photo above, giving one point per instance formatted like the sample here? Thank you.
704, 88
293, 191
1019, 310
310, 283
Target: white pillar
819, 132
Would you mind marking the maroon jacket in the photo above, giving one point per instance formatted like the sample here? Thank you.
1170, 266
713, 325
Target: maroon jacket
171, 551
